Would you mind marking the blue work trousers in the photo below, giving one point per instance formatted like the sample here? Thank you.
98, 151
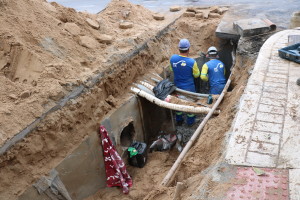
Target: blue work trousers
216, 89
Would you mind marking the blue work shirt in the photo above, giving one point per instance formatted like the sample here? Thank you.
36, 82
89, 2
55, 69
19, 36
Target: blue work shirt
185, 70
214, 71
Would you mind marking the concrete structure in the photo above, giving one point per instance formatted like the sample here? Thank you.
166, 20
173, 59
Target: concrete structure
266, 130
234, 26
226, 31
82, 173
250, 27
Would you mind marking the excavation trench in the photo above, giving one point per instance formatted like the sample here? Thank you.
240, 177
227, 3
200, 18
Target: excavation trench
63, 143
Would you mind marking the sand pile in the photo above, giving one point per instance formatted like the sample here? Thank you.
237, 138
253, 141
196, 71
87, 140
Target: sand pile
46, 50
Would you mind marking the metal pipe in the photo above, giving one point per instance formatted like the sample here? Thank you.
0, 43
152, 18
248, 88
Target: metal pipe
191, 93
270, 24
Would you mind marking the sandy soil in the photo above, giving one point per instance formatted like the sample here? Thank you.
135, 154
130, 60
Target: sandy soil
45, 45
47, 50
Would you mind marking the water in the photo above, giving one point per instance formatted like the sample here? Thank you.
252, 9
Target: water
279, 11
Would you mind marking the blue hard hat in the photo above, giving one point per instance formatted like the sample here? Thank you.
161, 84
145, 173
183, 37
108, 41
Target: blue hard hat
184, 44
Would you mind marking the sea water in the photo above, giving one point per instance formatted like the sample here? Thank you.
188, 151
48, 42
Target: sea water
278, 11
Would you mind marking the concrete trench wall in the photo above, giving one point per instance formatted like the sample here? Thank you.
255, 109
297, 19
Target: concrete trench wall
83, 171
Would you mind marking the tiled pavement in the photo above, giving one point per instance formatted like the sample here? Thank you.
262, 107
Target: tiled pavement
248, 185
266, 130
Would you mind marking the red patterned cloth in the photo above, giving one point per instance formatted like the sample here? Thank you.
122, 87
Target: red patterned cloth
116, 173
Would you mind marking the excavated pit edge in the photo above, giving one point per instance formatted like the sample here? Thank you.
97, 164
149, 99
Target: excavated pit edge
81, 89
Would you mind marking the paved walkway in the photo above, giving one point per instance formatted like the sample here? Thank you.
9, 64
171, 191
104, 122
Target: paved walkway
266, 130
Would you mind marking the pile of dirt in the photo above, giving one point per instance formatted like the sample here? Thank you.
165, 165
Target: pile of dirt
46, 50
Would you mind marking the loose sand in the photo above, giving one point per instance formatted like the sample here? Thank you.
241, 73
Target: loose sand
47, 50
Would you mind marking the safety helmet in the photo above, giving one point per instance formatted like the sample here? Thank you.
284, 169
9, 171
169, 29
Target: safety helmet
184, 44
212, 50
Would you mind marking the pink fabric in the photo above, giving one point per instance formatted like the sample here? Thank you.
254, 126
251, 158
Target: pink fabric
116, 173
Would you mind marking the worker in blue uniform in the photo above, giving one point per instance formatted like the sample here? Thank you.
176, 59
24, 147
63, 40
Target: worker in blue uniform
185, 69
214, 72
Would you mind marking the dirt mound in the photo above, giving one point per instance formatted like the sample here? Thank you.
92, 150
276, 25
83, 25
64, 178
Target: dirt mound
46, 50
126, 11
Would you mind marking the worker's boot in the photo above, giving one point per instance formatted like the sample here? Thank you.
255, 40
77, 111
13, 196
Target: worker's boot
191, 119
179, 118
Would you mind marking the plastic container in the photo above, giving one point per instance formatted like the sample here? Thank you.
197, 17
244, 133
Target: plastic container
140, 159
209, 99
291, 53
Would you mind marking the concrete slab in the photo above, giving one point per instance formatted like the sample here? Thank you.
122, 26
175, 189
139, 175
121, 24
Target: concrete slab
294, 184
259, 160
265, 137
275, 80
269, 117
268, 126
283, 76
264, 148
270, 109
274, 89
273, 102
225, 30
250, 27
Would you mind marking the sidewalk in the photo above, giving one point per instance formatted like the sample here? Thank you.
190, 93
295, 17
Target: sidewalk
266, 130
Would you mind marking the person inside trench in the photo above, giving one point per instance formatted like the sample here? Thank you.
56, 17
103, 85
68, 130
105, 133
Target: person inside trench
184, 69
